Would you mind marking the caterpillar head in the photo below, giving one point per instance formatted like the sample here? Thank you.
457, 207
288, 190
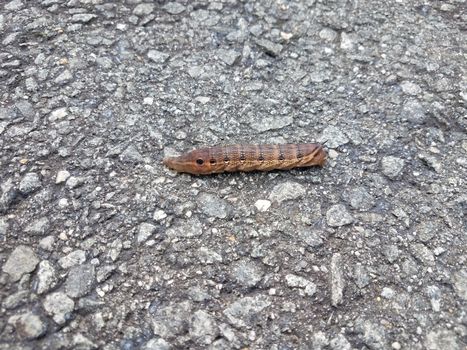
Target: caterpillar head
195, 162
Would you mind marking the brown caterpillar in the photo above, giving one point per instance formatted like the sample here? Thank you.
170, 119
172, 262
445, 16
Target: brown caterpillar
219, 159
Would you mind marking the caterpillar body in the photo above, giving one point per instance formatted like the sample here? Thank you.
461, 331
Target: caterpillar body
262, 157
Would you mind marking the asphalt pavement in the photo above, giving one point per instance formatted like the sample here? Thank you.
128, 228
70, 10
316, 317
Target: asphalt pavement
102, 247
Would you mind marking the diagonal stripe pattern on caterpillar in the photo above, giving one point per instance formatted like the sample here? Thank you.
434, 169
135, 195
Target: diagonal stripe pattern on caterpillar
219, 159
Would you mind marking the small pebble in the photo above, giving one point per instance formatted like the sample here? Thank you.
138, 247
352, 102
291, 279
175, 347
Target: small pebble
229, 57
30, 183
333, 137
247, 273
80, 280
159, 215
262, 205
174, 8
145, 231
337, 216
287, 191
158, 56
295, 281
58, 114
82, 17
337, 280
59, 306
46, 277
28, 325
244, 310
392, 166
459, 281
348, 41
63, 77
63, 203
431, 161
62, 176
328, 34
213, 206
410, 88
333, 154
270, 47
38, 227
387, 293
74, 182
74, 258
47, 243
143, 9
22, 260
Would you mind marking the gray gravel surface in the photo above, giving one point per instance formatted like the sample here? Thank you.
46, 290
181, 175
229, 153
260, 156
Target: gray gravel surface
101, 247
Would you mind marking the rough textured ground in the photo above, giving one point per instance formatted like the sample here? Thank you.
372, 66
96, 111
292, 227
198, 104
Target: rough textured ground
102, 247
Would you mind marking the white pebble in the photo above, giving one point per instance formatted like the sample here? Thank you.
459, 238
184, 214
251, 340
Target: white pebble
63, 203
121, 26
58, 114
439, 250
333, 154
62, 176
47, 243
262, 204
159, 215
387, 293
